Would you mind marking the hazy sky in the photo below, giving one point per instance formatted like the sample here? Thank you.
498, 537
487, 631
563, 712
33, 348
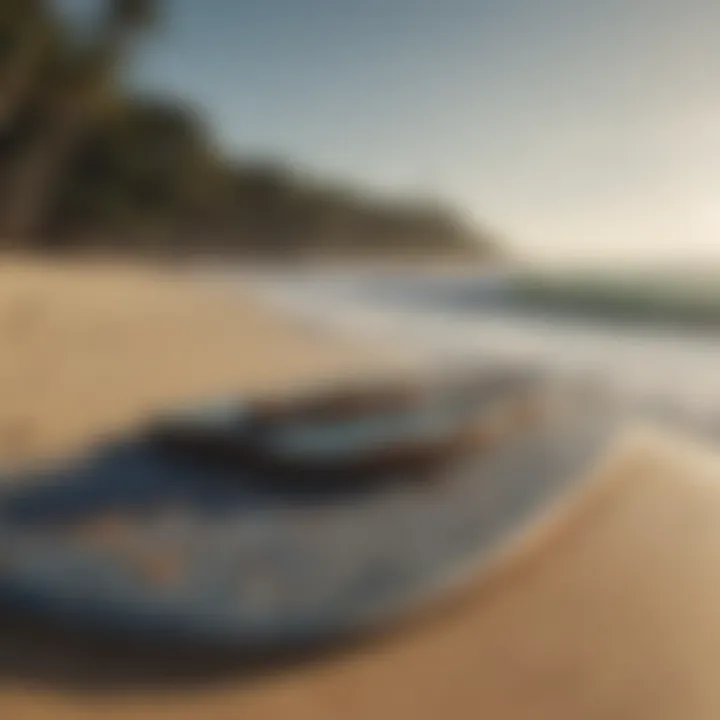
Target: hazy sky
579, 128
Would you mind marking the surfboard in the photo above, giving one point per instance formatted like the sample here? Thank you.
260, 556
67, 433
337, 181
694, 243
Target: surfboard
135, 539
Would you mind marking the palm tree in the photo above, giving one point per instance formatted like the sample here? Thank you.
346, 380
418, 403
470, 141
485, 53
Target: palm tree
24, 35
77, 100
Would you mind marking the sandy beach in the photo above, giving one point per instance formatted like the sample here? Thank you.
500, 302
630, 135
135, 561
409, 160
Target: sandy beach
91, 349
611, 612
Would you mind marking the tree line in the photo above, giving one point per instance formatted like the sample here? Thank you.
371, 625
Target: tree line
87, 165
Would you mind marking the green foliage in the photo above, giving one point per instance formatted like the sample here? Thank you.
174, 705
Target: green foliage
84, 164
133, 14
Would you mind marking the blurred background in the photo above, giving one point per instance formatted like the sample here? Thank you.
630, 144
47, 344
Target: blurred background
577, 133
127, 127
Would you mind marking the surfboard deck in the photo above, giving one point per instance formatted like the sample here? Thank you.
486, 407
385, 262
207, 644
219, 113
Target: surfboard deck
135, 540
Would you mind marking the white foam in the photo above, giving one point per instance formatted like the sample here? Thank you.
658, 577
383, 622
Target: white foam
659, 367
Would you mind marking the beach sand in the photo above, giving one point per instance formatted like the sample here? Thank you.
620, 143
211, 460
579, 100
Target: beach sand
91, 349
611, 611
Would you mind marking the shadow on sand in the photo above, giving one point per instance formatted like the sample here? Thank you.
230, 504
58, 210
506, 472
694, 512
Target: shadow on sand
38, 651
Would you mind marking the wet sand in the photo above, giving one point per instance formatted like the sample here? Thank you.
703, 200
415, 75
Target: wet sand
612, 610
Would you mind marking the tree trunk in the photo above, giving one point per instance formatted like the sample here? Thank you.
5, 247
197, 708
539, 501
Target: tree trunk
31, 28
33, 186
17, 82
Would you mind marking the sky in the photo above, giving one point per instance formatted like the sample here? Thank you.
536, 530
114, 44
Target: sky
580, 130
